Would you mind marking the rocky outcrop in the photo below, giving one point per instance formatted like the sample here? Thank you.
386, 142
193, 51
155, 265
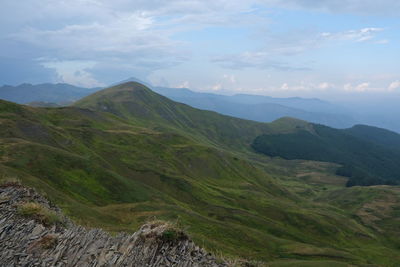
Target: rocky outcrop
27, 242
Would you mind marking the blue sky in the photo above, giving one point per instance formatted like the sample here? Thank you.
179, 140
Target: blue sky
325, 48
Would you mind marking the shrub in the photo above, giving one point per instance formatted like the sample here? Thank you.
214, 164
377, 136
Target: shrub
47, 242
9, 181
39, 213
172, 235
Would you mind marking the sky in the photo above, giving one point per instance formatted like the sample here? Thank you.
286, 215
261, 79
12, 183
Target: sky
309, 48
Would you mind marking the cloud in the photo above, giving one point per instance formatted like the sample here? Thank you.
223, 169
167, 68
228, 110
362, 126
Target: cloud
216, 87
229, 78
185, 84
124, 38
325, 86
283, 46
14, 71
368, 87
134, 37
361, 35
394, 86
361, 7
74, 72
305, 86
257, 59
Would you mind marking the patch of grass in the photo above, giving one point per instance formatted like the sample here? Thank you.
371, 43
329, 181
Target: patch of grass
48, 241
10, 181
39, 212
173, 235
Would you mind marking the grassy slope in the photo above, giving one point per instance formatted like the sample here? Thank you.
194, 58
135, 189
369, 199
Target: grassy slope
376, 135
117, 172
366, 158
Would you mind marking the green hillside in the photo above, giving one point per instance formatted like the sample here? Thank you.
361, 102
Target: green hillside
136, 103
377, 135
126, 155
364, 153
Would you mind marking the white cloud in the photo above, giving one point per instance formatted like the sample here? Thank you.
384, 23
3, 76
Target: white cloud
369, 87
132, 36
74, 73
362, 87
185, 84
280, 47
325, 86
230, 78
305, 86
216, 87
394, 86
361, 35
257, 59
362, 7
125, 37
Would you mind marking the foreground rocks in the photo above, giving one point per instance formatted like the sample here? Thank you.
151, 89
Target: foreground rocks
27, 242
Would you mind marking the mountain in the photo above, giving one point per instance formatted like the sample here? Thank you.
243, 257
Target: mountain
134, 101
376, 135
132, 79
126, 155
262, 108
250, 107
60, 93
368, 155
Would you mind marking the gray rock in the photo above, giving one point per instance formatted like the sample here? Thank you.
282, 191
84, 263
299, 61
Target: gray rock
26, 242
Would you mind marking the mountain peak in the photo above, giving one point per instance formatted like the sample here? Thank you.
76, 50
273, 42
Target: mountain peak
129, 86
122, 92
127, 100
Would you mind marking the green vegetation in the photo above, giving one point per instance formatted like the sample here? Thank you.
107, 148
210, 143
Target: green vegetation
47, 242
39, 212
126, 155
173, 235
364, 162
379, 136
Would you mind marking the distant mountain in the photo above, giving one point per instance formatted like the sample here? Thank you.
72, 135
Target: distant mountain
368, 155
262, 108
376, 135
60, 93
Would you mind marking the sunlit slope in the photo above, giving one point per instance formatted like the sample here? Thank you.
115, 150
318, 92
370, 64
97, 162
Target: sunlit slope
137, 103
117, 169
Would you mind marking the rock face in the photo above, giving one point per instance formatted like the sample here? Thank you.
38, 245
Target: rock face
26, 242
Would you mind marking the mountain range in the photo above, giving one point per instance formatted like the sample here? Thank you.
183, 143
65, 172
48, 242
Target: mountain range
262, 108
377, 111
251, 107
125, 154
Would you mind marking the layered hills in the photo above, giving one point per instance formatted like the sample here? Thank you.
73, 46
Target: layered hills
251, 107
263, 108
125, 155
